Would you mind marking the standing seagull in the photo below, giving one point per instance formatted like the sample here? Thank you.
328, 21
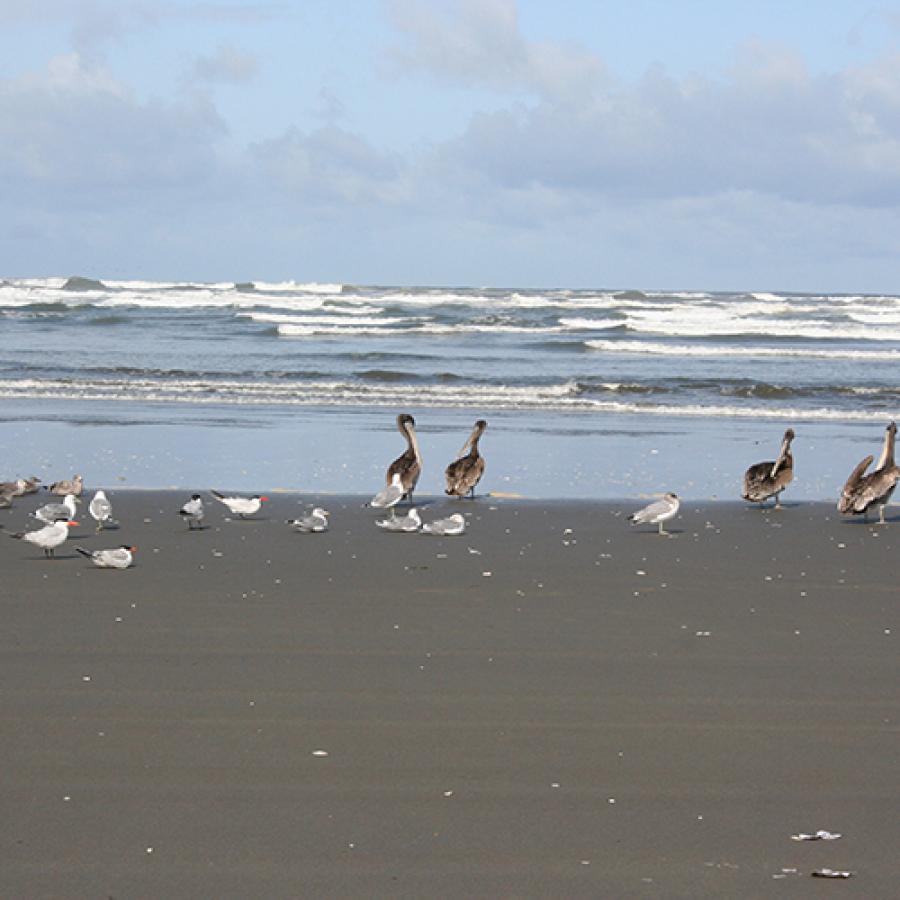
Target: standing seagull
68, 486
49, 537
409, 464
118, 558
862, 492
241, 506
100, 509
389, 497
316, 521
193, 511
408, 523
657, 513
465, 472
769, 479
450, 526
51, 512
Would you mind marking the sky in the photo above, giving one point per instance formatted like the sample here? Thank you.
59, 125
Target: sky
690, 145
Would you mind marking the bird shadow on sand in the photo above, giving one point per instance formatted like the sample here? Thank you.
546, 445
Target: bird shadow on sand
872, 523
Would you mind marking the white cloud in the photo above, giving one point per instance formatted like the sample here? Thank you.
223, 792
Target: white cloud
226, 64
478, 43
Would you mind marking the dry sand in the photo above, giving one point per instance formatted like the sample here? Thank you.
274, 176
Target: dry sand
553, 705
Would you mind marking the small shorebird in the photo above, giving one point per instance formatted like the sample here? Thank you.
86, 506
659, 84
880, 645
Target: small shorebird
770, 478
73, 485
657, 513
862, 492
241, 506
316, 521
49, 537
51, 512
117, 558
389, 497
450, 526
464, 473
100, 509
409, 464
408, 523
193, 512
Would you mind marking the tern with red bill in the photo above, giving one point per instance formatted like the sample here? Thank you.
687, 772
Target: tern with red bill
49, 537
114, 558
241, 506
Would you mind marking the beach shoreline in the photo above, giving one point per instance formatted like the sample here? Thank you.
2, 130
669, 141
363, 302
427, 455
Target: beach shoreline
553, 704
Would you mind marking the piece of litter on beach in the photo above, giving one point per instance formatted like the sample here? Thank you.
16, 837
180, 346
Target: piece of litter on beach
474, 551
149, 849
448, 793
831, 873
820, 835
320, 753
487, 574
85, 677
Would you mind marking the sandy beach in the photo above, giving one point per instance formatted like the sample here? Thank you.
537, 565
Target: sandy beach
553, 705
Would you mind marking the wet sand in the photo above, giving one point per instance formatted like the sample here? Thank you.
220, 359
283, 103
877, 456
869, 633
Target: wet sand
553, 705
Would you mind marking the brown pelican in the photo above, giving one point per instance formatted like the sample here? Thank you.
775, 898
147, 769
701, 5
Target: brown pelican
409, 464
464, 473
862, 492
657, 513
769, 479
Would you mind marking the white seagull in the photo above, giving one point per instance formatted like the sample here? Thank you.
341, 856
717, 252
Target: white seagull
390, 496
193, 512
49, 537
408, 523
241, 506
657, 513
316, 521
452, 525
51, 512
117, 558
100, 509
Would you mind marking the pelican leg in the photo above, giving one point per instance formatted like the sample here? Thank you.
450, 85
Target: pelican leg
881, 516
778, 500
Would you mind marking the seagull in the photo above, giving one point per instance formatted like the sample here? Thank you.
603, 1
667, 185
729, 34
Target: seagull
390, 496
100, 509
657, 513
316, 521
30, 485
193, 511
51, 512
408, 523
241, 506
69, 486
117, 558
20, 486
450, 526
49, 537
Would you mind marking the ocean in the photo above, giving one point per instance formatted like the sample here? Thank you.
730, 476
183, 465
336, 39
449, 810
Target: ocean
594, 393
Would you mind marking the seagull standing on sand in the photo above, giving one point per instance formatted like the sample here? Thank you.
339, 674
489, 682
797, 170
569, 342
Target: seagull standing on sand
390, 496
862, 492
657, 513
408, 523
193, 512
241, 506
73, 485
100, 509
769, 479
117, 558
49, 537
52, 512
450, 526
464, 473
315, 522
409, 464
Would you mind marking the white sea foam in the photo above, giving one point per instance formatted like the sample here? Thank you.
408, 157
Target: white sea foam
654, 348
348, 320
308, 287
556, 397
432, 328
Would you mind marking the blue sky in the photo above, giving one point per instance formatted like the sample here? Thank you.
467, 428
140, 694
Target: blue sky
649, 144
